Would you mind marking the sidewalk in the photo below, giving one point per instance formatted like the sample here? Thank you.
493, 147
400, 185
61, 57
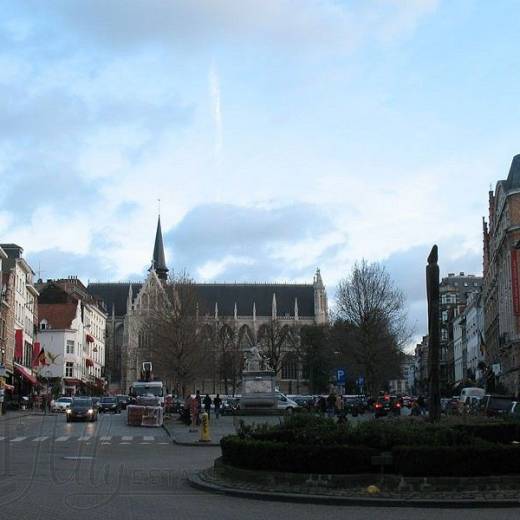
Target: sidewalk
218, 428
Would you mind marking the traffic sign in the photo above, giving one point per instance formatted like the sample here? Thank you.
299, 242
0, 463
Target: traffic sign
341, 376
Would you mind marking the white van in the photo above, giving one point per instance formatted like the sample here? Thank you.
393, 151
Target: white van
284, 403
470, 394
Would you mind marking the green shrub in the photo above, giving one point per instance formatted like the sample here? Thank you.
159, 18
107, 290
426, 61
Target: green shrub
456, 461
296, 458
500, 432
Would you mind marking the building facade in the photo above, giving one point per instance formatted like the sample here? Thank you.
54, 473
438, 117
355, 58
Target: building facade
501, 290
72, 326
17, 278
455, 289
240, 311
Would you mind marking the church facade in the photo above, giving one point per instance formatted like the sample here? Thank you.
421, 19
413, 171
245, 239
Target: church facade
240, 310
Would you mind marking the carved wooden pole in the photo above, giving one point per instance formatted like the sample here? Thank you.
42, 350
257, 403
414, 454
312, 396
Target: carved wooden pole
432, 290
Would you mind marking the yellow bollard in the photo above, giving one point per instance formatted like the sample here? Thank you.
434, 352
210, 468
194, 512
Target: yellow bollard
373, 490
204, 428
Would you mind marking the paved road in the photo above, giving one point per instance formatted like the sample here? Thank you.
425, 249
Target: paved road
86, 476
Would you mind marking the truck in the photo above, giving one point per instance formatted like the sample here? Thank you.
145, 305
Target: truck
147, 386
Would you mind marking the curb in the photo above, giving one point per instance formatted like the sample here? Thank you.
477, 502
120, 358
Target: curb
198, 482
198, 444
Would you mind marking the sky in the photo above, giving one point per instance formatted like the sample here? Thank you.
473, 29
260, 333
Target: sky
279, 135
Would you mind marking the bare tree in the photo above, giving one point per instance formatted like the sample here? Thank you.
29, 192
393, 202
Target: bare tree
372, 310
275, 340
171, 334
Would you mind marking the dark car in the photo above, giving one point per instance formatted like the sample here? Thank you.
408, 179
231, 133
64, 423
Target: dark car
495, 405
123, 400
387, 405
109, 404
81, 409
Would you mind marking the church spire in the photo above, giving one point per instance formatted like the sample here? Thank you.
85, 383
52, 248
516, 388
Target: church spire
158, 262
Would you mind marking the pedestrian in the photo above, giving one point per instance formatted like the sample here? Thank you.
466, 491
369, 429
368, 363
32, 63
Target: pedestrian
198, 400
217, 402
331, 404
339, 405
322, 405
207, 404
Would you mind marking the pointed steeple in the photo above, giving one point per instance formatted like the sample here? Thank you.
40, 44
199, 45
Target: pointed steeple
159, 262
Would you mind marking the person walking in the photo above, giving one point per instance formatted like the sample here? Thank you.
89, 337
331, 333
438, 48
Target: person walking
331, 404
198, 399
207, 404
217, 402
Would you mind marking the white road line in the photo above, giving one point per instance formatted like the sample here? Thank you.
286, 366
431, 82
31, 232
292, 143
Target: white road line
127, 438
40, 439
63, 439
106, 444
147, 443
148, 438
164, 443
105, 438
85, 438
2, 438
18, 439
125, 443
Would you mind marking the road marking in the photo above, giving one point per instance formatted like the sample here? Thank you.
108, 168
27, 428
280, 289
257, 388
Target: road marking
126, 438
106, 444
18, 439
147, 443
125, 443
2, 438
85, 438
164, 443
40, 439
63, 439
105, 438
149, 438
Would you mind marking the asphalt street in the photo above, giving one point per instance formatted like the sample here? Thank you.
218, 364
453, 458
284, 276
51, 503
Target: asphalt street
51, 469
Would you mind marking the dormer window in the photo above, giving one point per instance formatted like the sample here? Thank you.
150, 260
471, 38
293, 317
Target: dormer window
44, 324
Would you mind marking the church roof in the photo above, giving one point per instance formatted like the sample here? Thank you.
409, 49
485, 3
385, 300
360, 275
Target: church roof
114, 294
225, 295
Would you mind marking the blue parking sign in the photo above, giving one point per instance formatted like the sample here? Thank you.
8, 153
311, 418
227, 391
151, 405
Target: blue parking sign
341, 376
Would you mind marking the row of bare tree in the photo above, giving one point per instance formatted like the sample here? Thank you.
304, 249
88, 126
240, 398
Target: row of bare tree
366, 335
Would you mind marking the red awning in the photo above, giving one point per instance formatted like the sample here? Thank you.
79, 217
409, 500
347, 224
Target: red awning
90, 338
18, 344
25, 373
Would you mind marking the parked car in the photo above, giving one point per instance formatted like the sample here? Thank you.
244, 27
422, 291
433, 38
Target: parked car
495, 405
60, 404
306, 401
387, 405
230, 405
109, 404
123, 400
353, 405
82, 409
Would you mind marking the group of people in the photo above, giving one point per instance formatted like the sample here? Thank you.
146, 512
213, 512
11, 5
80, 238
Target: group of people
194, 406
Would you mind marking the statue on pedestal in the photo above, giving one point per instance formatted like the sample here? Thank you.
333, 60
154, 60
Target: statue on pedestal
253, 360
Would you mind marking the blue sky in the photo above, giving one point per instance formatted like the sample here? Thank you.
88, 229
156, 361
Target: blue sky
279, 135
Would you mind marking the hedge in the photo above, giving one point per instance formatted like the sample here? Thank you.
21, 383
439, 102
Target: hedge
296, 458
419, 461
497, 432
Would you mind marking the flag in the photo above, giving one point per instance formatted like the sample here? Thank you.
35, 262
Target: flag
40, 358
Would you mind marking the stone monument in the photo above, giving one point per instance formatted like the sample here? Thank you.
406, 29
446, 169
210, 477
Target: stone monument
258, 383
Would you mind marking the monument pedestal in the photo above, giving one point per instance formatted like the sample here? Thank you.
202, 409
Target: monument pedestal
258, 390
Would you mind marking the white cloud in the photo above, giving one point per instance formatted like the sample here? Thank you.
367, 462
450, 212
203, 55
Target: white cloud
216, 109
213, 269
